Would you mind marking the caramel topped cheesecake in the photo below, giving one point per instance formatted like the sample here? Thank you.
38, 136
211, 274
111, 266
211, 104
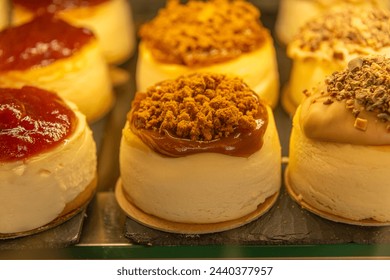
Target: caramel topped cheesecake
327, 43
110, 20
201, 148
47, 159
340, 144
293, 14
217, 36
49, 53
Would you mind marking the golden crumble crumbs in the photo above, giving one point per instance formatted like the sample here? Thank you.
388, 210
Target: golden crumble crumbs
199, 107
203, 32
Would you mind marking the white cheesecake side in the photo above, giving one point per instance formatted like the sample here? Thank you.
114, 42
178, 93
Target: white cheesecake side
257, 68
35, 191
203, 187
346, 180
82, 78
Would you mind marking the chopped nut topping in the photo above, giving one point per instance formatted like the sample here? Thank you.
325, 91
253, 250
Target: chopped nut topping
361, 124
201, 107
348, 28
203, 32
365, 86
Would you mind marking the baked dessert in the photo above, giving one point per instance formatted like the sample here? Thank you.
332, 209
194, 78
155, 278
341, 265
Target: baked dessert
4, 14
110, 20
47, 159
217, 36
200, 149
327, 43
51, 54
340, 145
293, 14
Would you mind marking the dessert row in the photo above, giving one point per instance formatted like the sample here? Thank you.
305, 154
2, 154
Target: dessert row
200, 150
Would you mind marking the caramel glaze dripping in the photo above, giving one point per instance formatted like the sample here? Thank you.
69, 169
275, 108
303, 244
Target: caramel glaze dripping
242, 143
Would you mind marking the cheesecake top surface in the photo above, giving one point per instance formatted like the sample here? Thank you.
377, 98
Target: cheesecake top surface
40, 42
42, 6
338, 33
201, 33
352, 106
200, 113
32, 121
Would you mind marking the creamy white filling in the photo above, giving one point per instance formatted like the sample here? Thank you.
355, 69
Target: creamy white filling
258, 69
113, 25
200, 188
33, 192
347, 180
82, 78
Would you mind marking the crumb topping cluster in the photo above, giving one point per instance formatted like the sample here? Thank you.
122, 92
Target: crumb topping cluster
203, 32
353, 28
198, 107
365, 86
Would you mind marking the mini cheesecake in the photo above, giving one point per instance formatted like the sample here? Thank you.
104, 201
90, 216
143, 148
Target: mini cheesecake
340, 145
110, 20
47, 159
200, 149
327, 43
51, 54
4, 14
216, 36
293, 14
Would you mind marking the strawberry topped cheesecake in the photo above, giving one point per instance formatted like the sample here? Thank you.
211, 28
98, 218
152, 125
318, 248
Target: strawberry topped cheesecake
110, 20
47, 159
49, 53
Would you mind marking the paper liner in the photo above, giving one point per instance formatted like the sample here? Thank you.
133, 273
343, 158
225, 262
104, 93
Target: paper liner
90, 190
327, 215
186, 228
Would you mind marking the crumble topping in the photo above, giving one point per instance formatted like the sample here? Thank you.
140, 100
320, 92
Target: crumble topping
350, 28
365, 86
203, 32
200, 107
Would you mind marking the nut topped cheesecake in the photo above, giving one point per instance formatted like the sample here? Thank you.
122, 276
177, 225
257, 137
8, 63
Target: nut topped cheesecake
110, 20
217, 36
340, 145
326, 44
293, 14
47, 159
49, 53
201, 148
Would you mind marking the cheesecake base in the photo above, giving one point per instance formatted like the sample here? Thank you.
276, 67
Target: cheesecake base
154, 222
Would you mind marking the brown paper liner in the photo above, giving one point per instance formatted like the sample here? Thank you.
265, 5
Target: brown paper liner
186, 228
71, 209
324, 214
